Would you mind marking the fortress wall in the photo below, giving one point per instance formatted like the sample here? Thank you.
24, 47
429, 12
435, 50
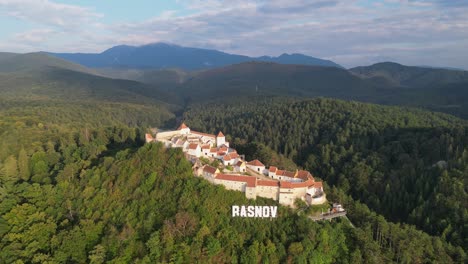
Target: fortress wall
232, 185
268, 192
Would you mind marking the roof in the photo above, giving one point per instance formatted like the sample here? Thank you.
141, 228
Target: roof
267, 183
182, 126
292, 185
251, 181
318, 184
223, 148
202, 134
209, 169
193, 146
305, 175
148, 136
286, 173
272, 169
240, 163
213, 150
220, 134
205, 147
255, 163
227, 157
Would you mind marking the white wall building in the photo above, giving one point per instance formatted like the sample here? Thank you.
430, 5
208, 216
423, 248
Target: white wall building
256, 166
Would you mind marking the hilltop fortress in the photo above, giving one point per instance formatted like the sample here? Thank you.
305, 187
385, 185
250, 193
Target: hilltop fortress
252, 178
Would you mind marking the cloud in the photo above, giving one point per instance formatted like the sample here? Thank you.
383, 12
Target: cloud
350, 32
34, 36
48, 13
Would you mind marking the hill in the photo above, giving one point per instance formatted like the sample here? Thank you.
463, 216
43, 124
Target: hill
160, 77
411, 76
406, 164
263, 78
80, 193
162, 55
38, 61
77, 186
434, 89
40, 76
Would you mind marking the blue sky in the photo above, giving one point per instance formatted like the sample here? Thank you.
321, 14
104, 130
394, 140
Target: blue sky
349, 32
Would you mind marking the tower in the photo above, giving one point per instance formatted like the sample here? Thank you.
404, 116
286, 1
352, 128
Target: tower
220, 139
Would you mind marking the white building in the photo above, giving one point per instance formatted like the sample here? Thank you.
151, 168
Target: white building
240, 166
256, 166
194, 150
221, 140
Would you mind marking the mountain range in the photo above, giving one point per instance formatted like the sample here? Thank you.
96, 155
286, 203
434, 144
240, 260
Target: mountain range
39, 75
163, 55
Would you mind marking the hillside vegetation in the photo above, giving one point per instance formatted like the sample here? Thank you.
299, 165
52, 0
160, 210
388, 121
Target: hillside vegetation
406, 164
77, 184
97, 196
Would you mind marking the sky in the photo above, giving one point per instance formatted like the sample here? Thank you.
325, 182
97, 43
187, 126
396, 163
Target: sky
348, 32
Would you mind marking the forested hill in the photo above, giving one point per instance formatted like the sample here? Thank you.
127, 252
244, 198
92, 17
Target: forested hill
435, 89
406, 164
411, 76
77, 186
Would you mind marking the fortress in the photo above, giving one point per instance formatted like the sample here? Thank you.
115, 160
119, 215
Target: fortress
252, 178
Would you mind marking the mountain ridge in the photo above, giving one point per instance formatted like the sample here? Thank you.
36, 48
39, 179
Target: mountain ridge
163, 55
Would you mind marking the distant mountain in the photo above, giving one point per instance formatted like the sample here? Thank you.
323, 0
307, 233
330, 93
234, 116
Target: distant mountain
386, 83
298, 59
265, 78
39, 76
162, 55
37, 61
411, 76
160, 77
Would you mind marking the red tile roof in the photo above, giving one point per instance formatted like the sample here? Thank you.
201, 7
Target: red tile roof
193, 146
291, 185
251, 181
213, 150
225, 149
267, 183
182, 126
202, 134
255, 163
318, 184
305, 175
148, 136
272, 169
205, 147
285, 184
227, 157
209, 169
220, 134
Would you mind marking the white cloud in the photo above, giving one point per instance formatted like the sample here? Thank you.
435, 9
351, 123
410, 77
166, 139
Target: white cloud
45, 12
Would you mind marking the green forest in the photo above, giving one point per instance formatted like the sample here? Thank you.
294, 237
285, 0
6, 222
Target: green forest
78, 184
406, 164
